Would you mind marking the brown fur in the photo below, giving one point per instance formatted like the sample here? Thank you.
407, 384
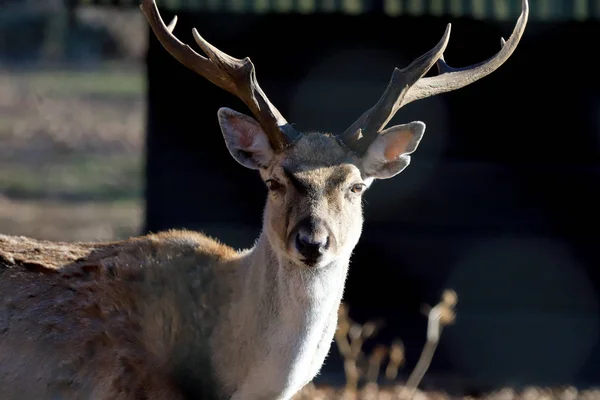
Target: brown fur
101, 320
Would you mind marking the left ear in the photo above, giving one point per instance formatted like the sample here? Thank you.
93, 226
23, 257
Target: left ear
245, 139
389, 153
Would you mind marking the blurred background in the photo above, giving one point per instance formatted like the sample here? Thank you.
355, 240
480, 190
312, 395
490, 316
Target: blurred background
103, 136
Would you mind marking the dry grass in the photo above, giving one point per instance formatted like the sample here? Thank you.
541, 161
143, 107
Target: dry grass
56, 112
371, 392
63, 221
71, 154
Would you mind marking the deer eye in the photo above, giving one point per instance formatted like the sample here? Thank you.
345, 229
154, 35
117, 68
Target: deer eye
358, 188
273, 184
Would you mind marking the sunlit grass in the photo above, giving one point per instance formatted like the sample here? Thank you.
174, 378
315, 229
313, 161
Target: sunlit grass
71, 152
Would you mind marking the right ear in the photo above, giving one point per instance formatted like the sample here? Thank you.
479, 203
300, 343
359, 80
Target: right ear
245, 139
390, 152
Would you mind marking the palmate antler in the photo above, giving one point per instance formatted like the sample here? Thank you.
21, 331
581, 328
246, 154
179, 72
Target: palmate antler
236, 76
408, 84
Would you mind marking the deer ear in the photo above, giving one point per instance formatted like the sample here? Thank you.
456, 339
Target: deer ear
390, 152
245, 139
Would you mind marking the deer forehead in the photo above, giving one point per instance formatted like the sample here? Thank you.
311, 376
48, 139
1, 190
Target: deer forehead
319, 176
318, 148
317, 160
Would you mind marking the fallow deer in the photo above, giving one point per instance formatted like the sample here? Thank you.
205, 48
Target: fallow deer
178, 315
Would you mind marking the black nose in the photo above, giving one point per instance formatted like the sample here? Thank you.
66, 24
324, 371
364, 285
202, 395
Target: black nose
312, 240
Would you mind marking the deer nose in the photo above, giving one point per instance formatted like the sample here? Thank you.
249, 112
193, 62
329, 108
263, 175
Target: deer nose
312, 239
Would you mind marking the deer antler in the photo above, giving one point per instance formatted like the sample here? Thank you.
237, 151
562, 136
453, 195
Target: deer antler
408, 84
236, 76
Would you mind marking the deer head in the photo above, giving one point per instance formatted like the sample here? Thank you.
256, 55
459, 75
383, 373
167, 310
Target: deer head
315, 181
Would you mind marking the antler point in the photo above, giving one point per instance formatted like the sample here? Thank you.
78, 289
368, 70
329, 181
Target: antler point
171, 26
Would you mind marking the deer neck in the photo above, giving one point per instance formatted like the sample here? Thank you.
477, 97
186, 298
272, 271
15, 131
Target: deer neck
287, 315
291, 291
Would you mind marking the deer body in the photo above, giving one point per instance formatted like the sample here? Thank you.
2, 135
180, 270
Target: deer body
174, 315
178, 315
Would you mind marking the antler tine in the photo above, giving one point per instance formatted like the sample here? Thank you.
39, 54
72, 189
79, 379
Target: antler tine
236, 76
455, 78
368, 126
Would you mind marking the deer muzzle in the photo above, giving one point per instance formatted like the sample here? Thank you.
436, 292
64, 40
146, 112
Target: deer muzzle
310, 240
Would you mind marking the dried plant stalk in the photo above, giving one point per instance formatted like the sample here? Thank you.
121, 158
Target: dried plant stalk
439, 316
350, 337
375, 360
396, 359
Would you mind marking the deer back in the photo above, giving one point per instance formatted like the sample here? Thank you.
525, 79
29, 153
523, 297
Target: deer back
108, 320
